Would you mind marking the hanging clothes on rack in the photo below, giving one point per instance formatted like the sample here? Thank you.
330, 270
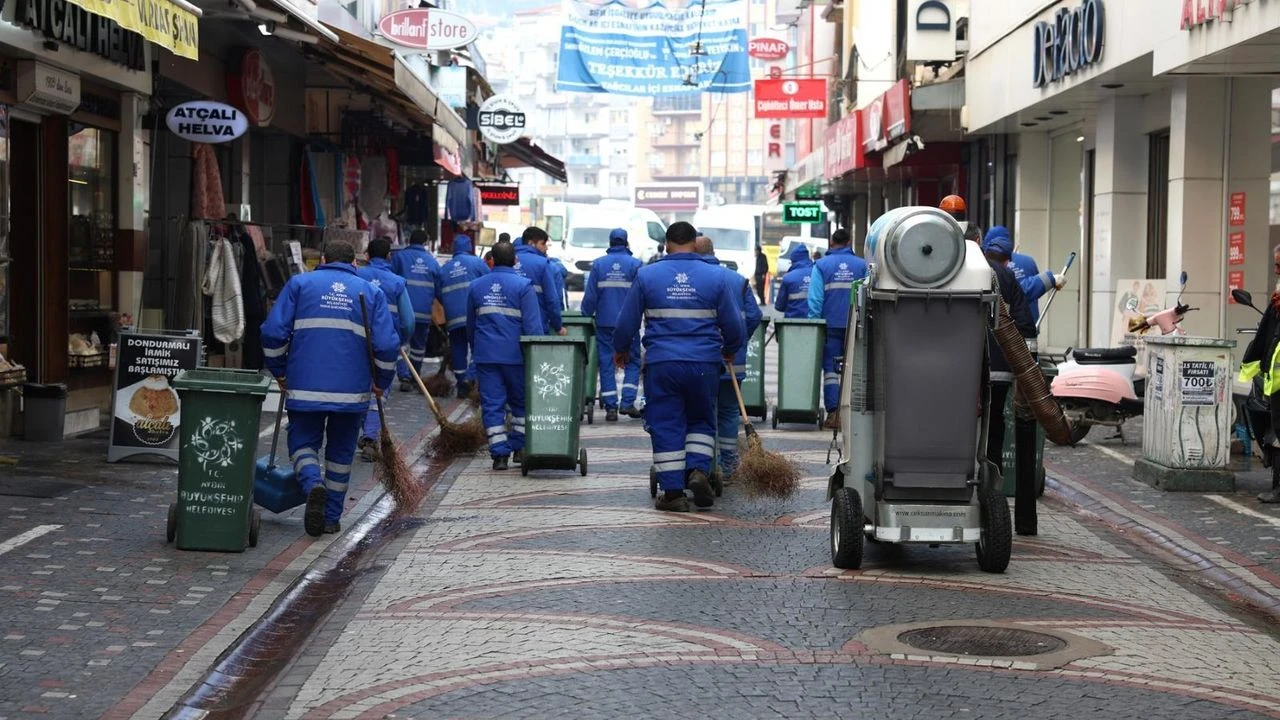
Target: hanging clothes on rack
351, 195
255, 295
416, 205
459, 200
313, 212
373, 186
222, 285
207, 201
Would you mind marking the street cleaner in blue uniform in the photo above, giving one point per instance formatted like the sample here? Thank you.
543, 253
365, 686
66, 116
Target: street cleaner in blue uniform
793, 292
692, 327
532, 263
501, 307
728, 414
453, 289
378, 273
419, 268
314, 344
608, 283
1034, 282
830, 287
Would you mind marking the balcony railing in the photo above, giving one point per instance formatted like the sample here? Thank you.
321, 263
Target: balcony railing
673, 104
583, 161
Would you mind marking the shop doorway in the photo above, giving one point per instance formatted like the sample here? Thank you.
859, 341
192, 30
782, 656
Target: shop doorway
25, 242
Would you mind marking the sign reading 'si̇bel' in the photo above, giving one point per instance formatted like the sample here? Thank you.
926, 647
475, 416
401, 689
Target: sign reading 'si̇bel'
1071, 42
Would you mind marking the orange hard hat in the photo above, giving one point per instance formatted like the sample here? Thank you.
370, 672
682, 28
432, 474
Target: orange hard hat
952, 204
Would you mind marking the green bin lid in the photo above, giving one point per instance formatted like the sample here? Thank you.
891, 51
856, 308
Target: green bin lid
552, 340
576, 320
799, 321
223, 380
571, 313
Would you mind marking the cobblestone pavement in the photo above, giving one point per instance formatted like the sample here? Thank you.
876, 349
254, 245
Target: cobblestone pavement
555, 595
104, 619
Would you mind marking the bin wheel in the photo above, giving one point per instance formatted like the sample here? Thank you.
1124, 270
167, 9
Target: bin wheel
582, 462
171, 528
591, 415
524, 467
996, 544
255, 526
717, 482
653, 481
775, 417
847, 529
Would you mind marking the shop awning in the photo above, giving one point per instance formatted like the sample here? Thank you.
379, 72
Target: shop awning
294, 9
523, 153
171, 24
386, 74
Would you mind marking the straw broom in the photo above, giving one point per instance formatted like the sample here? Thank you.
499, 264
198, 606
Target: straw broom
453, 439
762, 472
396, 476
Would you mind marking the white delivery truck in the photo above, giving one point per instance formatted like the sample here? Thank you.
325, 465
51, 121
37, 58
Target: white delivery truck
735, 231
580, 233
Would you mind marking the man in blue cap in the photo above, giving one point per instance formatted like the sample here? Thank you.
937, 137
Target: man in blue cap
1033, 282
607, 286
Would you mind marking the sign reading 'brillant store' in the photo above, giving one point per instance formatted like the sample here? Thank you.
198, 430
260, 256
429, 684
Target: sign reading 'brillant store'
424, 29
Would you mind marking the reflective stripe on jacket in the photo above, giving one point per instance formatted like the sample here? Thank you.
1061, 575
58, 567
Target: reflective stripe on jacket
688, 310
501, 307
314, 338
455, 284
609, 282
419, 269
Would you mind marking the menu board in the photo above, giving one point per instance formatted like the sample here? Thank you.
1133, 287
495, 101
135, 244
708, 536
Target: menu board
145, 407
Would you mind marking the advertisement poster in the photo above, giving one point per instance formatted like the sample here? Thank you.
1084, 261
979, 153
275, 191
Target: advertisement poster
1235, 281
1157, 380
1236, 209
644, 48
1235, 248
1135, 299
146, 411
1199, 382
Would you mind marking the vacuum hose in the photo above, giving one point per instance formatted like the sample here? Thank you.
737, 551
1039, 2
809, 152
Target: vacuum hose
1029, 385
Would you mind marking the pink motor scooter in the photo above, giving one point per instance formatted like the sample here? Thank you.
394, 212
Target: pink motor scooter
1104, 386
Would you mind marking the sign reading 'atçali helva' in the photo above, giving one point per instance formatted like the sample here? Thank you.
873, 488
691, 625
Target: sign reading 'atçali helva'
1071, 42
207, 122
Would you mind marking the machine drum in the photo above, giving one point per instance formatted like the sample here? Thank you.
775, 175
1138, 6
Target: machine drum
924, 249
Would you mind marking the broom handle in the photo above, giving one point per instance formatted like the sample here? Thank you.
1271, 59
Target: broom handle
737, 391
435, 409
275, 435
373, 366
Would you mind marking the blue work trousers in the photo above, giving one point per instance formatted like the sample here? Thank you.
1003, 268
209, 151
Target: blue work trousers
502, 390
462, 371
372, 419
337, 433
728, 420
609, 373
680, 414
417, 351
832, 350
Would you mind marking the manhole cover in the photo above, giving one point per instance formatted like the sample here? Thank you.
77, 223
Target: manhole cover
985, 641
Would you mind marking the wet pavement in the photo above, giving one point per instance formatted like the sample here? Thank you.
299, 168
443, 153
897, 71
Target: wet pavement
556, 595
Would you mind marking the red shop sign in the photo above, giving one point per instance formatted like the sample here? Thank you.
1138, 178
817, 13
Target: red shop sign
500, 195
1237, 209
767, 48
1235, 281
789, 99
1235, 248
252, 88
844, 147
887, 118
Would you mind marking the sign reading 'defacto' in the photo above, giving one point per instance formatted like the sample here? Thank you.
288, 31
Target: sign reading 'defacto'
787, 99
427, 29
501, 120
1072, 42
801, 213
207, 122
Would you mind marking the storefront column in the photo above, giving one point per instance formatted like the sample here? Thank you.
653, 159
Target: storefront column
1119, 208
1065, 319
1031, 212
875, 201
133, 200
860, 224
1216, 128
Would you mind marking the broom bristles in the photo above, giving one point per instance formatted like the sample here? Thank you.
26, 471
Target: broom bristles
456, 439
396, 476
765, 473
438, 384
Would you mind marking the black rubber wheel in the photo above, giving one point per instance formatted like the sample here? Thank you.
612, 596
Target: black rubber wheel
775, 417
524, 468
255, 526
591, 415
717, 482
847, 529
582, 462
996, 546
1078, 433
171, 528
653, 482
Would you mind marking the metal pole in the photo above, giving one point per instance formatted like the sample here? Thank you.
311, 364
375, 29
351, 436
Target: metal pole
1054, 292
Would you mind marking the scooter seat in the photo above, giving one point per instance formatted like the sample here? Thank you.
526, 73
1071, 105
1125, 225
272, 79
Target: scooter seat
1105, 356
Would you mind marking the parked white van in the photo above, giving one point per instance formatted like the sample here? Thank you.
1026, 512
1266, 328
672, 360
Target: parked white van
580, 233
734, 229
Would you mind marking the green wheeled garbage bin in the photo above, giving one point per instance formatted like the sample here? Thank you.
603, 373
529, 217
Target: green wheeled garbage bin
576, 325
753, 384
800, 344
553, 387
1010, 443
219, 438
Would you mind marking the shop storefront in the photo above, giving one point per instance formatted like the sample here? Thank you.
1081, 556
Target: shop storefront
1140, 138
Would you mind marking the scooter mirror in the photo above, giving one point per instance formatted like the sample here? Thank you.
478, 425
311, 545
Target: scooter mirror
1243, 297
1182, 279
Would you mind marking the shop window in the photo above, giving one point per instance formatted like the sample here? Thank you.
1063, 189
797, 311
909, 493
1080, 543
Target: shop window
1157, 203
91, 234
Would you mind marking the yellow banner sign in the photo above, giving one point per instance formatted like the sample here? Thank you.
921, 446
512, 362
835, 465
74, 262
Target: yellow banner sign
159, 21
